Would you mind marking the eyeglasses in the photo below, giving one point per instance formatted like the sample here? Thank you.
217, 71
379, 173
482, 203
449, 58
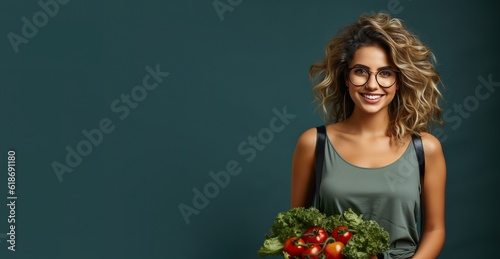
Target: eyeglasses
385, 78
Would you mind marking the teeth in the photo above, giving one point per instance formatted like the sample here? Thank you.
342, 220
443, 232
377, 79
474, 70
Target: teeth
372, 97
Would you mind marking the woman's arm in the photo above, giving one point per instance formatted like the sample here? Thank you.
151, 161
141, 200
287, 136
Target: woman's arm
433, 233
302, 192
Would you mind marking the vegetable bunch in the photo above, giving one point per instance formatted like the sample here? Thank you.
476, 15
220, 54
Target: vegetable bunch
308, 233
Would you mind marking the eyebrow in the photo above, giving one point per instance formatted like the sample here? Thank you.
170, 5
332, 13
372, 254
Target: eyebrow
378, 69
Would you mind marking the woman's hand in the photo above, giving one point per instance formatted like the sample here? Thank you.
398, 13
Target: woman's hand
373, 257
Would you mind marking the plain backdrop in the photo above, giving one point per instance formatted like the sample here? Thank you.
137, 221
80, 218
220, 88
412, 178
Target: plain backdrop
233, 67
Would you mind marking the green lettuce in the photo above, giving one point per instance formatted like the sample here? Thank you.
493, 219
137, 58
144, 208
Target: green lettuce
369, 238
271, 246
291, 223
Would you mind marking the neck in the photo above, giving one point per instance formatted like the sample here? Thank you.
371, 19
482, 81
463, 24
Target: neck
369, 125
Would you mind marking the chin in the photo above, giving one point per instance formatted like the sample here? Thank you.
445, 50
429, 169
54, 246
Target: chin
372, 110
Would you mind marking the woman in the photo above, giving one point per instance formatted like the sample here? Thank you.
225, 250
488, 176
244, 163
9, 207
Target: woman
376, 87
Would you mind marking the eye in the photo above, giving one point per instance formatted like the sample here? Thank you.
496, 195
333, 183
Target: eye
360, 71
386, 73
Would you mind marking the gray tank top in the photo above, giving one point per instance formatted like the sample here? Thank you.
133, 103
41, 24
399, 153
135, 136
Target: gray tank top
390, 195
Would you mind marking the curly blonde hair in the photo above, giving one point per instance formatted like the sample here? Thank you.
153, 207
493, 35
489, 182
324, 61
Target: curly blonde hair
418, 80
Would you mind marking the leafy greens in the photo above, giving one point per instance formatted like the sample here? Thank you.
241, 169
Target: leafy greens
369, 238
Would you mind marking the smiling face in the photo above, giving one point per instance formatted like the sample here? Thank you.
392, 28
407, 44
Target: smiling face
371, 98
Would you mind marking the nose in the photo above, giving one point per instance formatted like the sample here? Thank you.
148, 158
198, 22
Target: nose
372, 83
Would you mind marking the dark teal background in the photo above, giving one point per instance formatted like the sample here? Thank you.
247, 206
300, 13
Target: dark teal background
226, 77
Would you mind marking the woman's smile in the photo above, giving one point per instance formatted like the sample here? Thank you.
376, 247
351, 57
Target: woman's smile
371, 98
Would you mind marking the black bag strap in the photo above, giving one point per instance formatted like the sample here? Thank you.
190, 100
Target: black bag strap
320, 156
419, 150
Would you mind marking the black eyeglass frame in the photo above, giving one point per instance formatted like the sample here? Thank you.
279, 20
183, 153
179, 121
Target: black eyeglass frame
370, 73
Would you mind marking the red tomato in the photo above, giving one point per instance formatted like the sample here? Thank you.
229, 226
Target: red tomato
312, 252
315, 235
342, 234
333, 250
293, 246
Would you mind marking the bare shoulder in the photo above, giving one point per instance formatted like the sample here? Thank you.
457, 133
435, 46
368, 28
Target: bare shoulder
303, 169
431, 144
307, 138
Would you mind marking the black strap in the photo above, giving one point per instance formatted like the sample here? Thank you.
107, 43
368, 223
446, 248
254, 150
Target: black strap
320, 156
419, 150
